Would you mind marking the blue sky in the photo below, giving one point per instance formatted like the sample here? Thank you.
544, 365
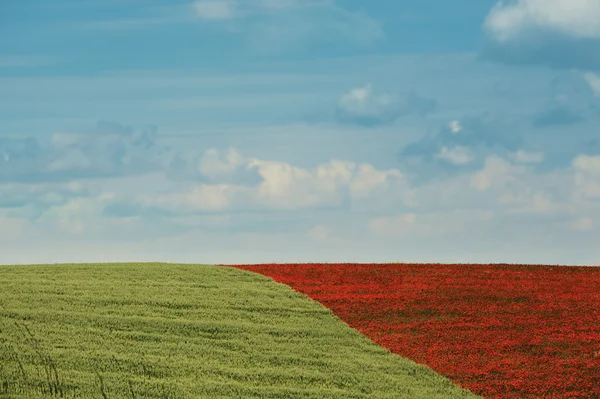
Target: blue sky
224, 131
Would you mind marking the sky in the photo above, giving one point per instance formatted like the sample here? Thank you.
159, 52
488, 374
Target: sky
254, 131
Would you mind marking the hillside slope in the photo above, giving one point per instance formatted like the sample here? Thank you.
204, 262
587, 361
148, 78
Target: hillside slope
186, 331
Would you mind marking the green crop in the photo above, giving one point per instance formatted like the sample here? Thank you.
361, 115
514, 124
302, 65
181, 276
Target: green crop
186, 331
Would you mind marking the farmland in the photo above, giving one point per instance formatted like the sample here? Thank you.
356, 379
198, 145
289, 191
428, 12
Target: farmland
186, 331
502, 331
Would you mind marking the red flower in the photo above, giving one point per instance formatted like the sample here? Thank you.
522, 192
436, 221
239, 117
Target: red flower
502, 331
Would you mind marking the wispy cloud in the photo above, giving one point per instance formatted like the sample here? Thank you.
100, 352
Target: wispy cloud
228, 9
521, 156
109, 149
274, 26
593, 81
463, 142
457, 155
215, 9
364, 106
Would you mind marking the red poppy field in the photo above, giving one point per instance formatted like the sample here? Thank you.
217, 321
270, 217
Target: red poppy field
501, 331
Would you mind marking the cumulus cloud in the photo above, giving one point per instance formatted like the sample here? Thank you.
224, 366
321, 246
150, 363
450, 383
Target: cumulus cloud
496, 172
329, 204
286, 186
462, 143
455, 127
228, 167
518, 189
279, 185
75, 215
368, 180
362, 105
559, 33
30, 200
587, 176
498, 187
575, 18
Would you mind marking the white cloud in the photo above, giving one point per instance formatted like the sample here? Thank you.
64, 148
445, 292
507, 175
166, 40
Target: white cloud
573, 18
457, 155
29, 200
593, 81
503, 196
76, 215
364, 106
455, 127
215, 9
289, 23
279, 184
587, 176
368, 179
286, 186
521, 156
517, 189
587, 163
62, 140
361, 102
495, 173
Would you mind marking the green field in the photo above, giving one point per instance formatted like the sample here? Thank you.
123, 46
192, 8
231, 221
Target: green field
186, 331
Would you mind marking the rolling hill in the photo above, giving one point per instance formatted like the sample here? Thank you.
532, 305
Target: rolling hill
186, 331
